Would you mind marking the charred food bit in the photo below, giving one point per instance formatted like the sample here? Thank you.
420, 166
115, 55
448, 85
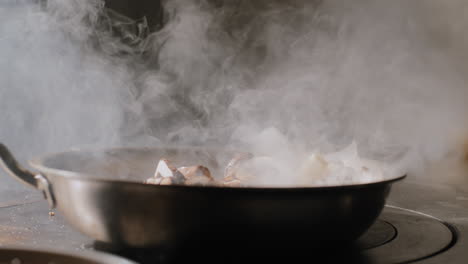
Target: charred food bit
166, 174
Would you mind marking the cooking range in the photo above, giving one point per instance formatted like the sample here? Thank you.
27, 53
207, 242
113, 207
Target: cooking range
425, 220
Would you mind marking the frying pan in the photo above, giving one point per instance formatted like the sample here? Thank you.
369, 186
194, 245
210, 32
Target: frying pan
49, 256
101, 194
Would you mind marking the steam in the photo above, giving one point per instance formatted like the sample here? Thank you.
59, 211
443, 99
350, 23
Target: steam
275, 76
57, 89
320, 74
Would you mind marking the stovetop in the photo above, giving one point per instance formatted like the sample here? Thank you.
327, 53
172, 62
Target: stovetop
425, 221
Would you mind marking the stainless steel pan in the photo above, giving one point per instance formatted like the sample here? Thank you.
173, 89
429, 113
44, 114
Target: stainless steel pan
101, 194
49, 256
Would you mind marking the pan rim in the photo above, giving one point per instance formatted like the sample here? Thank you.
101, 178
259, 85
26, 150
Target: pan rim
99, 257
38, 164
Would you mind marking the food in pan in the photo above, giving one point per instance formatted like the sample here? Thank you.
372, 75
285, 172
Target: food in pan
245, 169
232, 176
167, 174
196, 175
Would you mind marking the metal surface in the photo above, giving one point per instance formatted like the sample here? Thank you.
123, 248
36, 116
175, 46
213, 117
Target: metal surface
9, 163
44, 186
392, 239
440, 191
95, 193
380, 233
418, 236
30, 225
18, 255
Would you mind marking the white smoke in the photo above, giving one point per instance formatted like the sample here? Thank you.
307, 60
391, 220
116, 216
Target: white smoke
320, 73
56, 91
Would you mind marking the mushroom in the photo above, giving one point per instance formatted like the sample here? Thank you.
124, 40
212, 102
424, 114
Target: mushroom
232, 177
196, 175
166, 174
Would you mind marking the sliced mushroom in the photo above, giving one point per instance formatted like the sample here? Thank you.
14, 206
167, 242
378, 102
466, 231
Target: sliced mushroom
166, 174
196, 175
232, 183
231, 175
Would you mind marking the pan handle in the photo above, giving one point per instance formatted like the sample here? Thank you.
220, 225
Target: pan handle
9, 163
13, 168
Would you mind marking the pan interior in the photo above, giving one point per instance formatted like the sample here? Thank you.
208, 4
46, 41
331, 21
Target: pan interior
131, 164
138, 164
